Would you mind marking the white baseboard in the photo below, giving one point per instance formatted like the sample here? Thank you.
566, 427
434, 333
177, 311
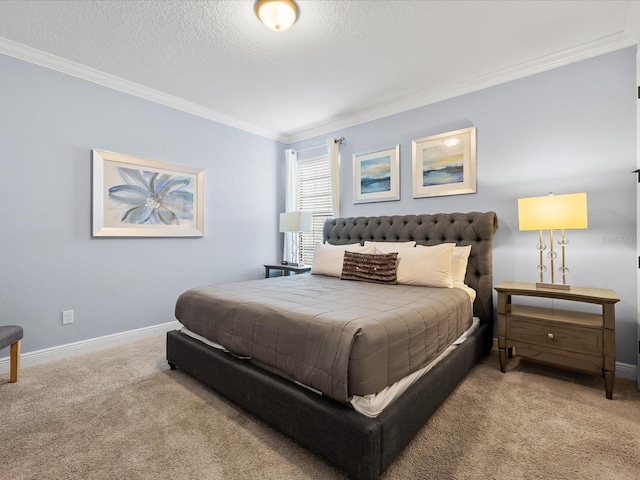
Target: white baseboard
85, 346
623, 370
626, 371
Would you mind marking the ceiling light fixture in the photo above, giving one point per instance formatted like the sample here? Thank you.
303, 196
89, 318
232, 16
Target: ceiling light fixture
278, 15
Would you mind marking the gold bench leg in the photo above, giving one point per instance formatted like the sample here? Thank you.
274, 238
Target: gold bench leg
15, 360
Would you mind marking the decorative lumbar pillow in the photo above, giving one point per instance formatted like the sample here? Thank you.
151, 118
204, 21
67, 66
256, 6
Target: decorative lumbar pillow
328, 258
388, 247
369, 268
459, 261
426, 266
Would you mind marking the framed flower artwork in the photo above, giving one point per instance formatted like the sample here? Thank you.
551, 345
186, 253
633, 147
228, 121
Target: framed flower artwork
138, 197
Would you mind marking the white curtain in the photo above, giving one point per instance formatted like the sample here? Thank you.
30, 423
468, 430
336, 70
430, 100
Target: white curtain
333, 148
291, 165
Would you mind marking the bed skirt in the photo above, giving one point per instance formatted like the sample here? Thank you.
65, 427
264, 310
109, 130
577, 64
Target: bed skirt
362, 447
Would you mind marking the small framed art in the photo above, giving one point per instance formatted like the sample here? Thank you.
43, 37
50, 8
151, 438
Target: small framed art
376, 176
138, 197
445, 164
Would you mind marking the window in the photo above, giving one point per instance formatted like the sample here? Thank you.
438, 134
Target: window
313, 195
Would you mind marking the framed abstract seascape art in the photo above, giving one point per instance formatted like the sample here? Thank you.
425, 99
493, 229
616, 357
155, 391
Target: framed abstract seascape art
445, 164
376, 176
138, 197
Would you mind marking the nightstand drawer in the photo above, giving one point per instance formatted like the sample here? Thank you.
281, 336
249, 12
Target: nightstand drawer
554, 335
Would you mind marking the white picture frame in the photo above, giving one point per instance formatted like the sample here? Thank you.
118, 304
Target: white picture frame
444, 164
139, 197
376, 176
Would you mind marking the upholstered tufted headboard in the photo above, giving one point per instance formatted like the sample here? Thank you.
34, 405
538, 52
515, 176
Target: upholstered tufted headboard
473, 228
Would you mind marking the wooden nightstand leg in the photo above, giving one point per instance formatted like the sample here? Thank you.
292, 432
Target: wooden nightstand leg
504, 306
609, 377
510, 352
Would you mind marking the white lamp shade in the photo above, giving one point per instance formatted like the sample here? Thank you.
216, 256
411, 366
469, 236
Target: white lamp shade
295, 222
553, 212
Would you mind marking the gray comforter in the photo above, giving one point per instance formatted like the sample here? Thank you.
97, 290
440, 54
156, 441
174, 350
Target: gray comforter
340, 337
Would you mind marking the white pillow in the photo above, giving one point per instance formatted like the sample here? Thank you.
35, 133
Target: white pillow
426, 266
328, 258
459, 261
388, 247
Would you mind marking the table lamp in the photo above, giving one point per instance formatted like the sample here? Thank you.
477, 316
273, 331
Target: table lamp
553, 212
295, 222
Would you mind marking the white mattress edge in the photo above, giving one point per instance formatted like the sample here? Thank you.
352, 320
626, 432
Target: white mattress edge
374, 404
206, 341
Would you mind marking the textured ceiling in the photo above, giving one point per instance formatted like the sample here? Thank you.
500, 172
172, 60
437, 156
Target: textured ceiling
342, 63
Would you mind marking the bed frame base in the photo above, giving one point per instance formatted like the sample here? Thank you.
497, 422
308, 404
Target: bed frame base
362, 447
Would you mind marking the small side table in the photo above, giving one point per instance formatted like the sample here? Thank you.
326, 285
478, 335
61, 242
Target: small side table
562, 337
287, 269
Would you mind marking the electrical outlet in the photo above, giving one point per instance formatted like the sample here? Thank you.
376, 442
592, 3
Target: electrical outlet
67, 317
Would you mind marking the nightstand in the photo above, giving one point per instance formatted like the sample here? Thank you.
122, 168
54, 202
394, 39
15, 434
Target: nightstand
287, 269
565, 338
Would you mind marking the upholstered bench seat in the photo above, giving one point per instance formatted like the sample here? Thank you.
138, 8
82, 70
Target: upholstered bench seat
10, 335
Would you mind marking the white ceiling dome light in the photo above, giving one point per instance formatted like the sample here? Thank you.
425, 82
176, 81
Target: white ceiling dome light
278, 15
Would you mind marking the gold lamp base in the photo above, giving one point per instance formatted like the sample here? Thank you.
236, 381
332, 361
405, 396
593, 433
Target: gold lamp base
553, 286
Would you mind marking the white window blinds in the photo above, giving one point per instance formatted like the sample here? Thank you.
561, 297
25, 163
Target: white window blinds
313, 195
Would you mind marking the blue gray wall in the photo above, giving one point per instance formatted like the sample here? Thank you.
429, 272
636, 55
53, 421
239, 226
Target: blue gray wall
567, 130
49, 122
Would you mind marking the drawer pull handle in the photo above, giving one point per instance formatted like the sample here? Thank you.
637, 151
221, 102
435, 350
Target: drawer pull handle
549, 335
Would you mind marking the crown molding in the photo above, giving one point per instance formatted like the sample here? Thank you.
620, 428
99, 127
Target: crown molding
588, 50
53, 62
626, 38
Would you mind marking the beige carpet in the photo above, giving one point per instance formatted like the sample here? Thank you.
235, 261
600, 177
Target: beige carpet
122, 414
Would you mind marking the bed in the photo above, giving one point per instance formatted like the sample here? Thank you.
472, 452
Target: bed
362, 446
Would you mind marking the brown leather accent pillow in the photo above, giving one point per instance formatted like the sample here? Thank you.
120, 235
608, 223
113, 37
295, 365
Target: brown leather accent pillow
380, 268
